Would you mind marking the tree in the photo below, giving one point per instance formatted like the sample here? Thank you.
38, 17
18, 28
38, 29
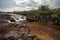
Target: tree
56, 19
44, 8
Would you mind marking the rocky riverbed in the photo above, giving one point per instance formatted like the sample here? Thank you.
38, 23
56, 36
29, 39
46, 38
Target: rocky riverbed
18, 30
23, 30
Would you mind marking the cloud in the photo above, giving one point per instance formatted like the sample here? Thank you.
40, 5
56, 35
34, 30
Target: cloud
16, 5
6, 4
53, 3
20, 1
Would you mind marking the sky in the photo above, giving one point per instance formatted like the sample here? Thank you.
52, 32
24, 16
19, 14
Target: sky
21, 5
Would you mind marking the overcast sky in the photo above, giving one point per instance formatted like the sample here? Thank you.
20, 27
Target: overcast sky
20, 5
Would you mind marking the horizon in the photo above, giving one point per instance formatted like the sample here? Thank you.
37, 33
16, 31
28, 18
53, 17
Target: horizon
25, 5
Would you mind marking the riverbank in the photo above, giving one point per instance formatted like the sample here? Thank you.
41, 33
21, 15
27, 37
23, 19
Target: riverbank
43, 31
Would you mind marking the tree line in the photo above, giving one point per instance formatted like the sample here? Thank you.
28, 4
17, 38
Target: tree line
43, 14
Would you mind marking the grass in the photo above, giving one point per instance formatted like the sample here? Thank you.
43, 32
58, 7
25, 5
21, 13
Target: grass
43, 31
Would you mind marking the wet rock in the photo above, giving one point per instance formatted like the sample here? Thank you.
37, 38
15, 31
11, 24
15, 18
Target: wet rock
18, 31
9, 38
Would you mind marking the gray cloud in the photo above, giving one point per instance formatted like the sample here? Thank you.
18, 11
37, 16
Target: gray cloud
9, 4
57, 3
53, 3
27, 5
6, 4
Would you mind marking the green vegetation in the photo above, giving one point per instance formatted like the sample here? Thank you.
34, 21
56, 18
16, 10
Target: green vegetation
44, 14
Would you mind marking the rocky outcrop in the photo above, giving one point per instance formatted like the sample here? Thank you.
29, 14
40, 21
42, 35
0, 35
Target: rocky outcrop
14, 31
17, 32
